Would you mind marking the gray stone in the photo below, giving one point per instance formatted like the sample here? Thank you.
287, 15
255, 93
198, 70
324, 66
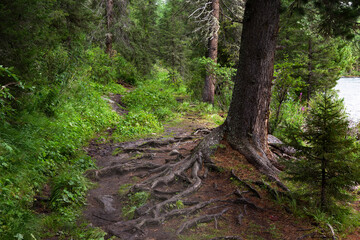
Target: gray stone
107, 201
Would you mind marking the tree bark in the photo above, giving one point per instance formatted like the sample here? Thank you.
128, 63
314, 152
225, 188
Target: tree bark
210, 79
109, 20
247, 122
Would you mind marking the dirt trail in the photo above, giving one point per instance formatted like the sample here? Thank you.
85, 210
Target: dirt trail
105, 204
229, 202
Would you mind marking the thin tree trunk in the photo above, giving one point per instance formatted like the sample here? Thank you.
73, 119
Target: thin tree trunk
109, 20
310, 69
247, 121
323, 183
277, 117
210, 79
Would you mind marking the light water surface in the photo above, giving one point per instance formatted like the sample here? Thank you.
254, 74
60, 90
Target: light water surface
349, 89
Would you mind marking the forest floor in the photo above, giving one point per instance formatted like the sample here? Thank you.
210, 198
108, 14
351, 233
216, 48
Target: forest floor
231, 203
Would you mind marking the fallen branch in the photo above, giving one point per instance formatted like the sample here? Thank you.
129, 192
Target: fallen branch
227, 238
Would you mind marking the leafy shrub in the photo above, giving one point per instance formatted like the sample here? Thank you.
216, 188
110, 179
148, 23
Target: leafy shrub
68, 188
151, 97
125, 70
155, 95
100, 66
39, 147
7, 81
105, 69
55, 62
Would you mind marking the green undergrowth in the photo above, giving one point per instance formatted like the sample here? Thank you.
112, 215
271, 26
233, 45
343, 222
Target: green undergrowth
150, 105
41, 146
156, 101
300, 204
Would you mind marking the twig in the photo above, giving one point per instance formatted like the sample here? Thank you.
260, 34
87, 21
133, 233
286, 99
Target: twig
253, 190
8, 84
201, 219
332, 231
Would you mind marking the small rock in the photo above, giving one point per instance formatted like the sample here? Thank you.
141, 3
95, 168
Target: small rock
274, 140
174, 152
107, 200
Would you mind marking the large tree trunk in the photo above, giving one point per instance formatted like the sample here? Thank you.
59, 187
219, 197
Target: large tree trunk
247, 122
109, 20
210, 79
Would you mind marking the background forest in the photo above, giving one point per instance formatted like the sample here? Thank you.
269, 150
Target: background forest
60, 60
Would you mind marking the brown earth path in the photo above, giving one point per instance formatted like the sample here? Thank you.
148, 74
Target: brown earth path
221, 208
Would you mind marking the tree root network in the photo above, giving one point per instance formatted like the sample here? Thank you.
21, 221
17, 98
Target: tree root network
157, 176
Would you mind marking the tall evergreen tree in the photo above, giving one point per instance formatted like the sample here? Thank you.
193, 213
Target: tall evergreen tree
31, 28
142, 32
319, 61
174, 41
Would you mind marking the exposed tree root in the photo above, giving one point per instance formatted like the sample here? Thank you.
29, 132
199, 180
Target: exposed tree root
119, 169
244, 201
160, 143
102, 218
165, 175
201, 219
274, 193
144, 146
257, 157
227, 238
253, 190
137, 224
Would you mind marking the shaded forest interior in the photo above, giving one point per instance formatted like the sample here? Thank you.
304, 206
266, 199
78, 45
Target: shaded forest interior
177, 119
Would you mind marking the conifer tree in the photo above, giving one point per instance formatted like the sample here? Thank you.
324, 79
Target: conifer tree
174, 47
328, 164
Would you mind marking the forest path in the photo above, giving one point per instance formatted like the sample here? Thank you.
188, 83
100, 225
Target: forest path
230, 202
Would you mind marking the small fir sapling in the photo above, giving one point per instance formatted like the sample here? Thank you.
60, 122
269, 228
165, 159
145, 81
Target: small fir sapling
328, 163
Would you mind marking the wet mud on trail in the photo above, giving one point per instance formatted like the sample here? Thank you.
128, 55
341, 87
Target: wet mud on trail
151, 189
